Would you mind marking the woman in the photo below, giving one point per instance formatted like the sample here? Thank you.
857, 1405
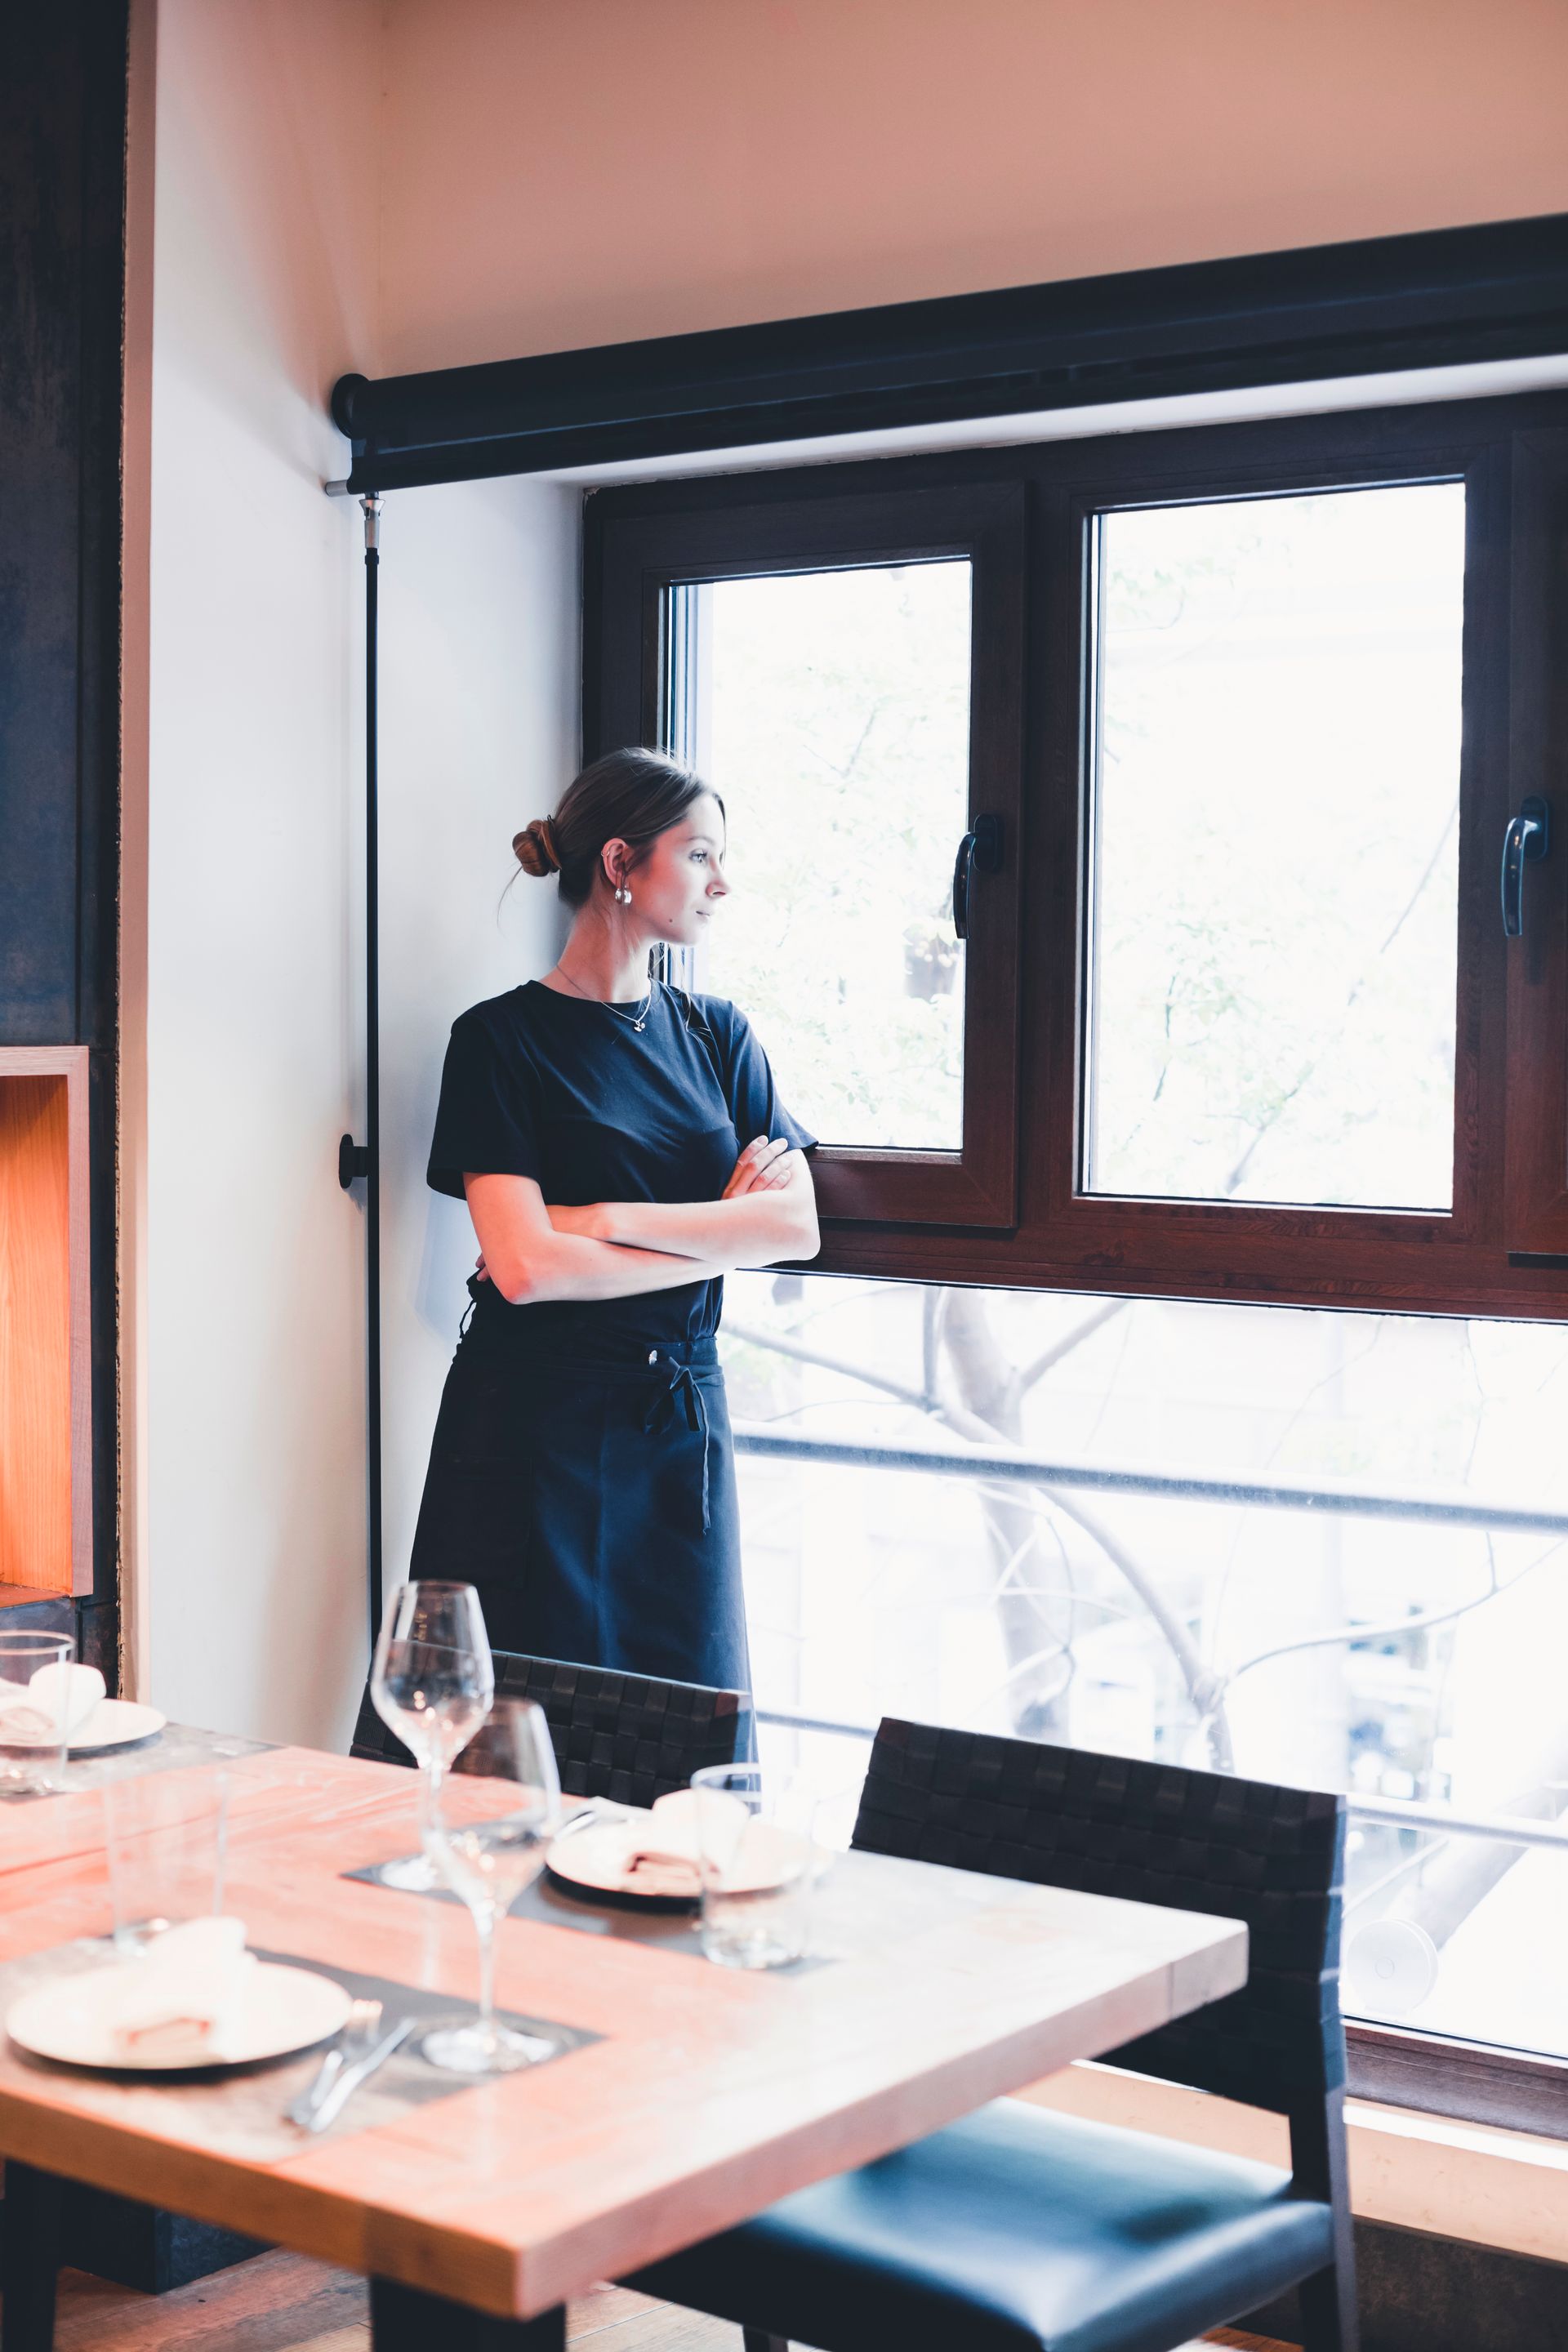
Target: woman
621, 1146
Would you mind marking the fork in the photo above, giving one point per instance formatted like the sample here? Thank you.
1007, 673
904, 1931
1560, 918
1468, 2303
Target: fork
358, 2031
340, 2090
597, 1809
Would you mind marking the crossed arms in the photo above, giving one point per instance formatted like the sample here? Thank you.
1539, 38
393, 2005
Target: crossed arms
622, 1249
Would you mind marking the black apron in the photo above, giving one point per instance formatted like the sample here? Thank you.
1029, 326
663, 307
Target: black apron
582, 1473
589, 1494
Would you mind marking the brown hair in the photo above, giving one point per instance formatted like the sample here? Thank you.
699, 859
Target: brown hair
631, 795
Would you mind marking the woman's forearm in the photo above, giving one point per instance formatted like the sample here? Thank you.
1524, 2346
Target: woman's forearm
568, 1265
753, 1229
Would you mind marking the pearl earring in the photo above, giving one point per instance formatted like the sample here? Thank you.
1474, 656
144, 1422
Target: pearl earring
623, 896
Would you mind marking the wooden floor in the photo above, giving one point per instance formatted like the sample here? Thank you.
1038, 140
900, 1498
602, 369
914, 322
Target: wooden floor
278, 2303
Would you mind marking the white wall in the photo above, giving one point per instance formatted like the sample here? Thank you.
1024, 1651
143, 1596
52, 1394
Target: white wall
245, 1411
245, 1425
479, 732
558, 174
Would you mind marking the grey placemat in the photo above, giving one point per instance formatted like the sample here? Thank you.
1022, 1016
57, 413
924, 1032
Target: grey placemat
549, 1902
673, 1931
239, 2110
407, 2074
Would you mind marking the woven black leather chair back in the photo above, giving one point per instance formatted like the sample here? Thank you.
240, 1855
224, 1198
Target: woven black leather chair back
1152, 1833
624, 1736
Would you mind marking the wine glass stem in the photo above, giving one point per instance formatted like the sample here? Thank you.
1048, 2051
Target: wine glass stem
429, 1798
485, 1924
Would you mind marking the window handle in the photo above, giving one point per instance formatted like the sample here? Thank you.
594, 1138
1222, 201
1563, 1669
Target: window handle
981, 847
1526, 840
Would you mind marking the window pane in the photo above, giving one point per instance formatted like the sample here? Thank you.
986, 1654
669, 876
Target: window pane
835, 721
1276, 870
1411, 1662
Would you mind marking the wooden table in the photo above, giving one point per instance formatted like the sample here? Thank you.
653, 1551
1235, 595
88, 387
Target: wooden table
708, 2094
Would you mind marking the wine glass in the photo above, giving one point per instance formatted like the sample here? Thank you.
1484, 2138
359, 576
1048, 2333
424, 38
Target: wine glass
431, 1683
489, 1843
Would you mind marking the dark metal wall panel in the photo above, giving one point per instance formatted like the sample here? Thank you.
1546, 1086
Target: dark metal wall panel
40, 386
62, 140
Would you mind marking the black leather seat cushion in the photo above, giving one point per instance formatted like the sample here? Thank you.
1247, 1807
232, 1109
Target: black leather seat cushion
1013, 2230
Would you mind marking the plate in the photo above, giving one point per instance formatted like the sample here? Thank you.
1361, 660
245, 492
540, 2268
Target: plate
592, 1862
284, 2010
115, 1723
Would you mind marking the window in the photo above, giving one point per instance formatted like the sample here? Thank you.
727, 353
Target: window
1325, 1548
1239, 1034
835, 710
1275, 867
849, 673
1234, 738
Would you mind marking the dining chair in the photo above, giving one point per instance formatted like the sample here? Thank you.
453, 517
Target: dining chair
1021, 2229
628, 1737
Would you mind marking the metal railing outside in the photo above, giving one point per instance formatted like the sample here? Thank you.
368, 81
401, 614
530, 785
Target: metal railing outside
1009, 1465
1395, 1813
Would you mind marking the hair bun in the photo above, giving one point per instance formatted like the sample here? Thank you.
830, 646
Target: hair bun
535, 848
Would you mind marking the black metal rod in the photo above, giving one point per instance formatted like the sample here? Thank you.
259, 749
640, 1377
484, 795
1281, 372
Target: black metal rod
1004, 1465
372, 1067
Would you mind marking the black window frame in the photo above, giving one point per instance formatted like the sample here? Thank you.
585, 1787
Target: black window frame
1503, 1251
638, 561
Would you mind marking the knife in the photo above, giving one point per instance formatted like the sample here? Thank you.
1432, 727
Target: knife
336, 2097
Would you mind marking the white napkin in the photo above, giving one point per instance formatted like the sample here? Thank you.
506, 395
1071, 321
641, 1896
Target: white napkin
33, 1716
668, 1847
661, 1853
184, 1999
669, 1833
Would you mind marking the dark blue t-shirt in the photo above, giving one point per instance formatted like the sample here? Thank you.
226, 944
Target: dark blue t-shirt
539, 1084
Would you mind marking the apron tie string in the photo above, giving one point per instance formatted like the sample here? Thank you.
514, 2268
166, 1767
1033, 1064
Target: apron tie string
681, 1382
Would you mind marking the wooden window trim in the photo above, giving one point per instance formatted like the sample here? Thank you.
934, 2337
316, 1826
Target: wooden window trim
1536, 1164
1495, 1255
1468, 2082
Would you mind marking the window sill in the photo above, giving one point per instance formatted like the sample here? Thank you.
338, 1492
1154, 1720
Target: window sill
1463, 2082
1478, 2182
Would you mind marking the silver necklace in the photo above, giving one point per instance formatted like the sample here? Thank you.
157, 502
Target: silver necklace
638, 1020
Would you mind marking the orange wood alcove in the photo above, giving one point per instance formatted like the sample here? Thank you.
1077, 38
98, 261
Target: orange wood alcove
46, 1423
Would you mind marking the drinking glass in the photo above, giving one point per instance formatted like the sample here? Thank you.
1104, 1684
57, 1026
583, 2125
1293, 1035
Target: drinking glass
431, 1683
489, 1843
32, 1731
166, 1834
758, 1860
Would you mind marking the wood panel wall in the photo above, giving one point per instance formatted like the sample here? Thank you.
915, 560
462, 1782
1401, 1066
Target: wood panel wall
45, 1427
